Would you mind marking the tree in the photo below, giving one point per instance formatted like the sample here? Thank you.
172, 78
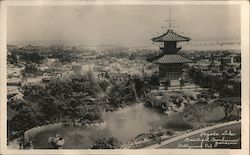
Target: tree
121, 94
25, 119
141, 87
216, 82
30, 69
12, 58
154, 79
32, 57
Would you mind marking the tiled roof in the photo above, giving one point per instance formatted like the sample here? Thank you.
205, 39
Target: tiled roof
170, 36
171, 59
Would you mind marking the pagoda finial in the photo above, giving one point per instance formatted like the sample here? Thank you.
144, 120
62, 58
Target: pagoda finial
170, 20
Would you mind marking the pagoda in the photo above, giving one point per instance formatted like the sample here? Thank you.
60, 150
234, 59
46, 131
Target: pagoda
169, 61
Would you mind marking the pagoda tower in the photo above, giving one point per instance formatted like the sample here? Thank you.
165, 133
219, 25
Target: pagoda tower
169, 61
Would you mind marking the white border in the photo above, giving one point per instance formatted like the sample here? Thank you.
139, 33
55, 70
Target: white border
245, 78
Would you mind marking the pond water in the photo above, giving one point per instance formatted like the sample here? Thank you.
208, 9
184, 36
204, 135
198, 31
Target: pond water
124, 124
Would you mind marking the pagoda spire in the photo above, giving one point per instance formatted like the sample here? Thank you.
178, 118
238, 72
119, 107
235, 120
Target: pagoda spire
170, 38
170, 20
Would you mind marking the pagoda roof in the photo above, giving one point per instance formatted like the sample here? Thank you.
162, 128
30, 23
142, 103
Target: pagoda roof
172, 59
170, 36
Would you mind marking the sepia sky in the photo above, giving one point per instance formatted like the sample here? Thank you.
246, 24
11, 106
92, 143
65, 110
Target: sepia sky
132, 25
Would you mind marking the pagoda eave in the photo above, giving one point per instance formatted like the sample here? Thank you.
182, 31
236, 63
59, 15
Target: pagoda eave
172, 59
173, 40
170, 36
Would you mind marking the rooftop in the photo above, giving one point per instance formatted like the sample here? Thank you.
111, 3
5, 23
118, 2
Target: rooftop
172, 59
170, 36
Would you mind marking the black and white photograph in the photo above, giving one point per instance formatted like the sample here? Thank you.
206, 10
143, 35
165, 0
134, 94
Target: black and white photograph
124, 76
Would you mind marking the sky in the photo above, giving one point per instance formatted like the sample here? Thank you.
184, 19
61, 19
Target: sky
131, 25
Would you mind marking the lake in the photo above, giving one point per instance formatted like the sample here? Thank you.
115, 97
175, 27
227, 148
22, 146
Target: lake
124, 124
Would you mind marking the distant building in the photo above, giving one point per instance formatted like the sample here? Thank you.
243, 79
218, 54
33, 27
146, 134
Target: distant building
231, 59
207, 65
50, 61
76, 67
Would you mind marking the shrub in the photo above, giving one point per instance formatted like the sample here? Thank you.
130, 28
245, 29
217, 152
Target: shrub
107, 143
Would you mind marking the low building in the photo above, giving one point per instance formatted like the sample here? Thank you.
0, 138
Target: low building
231, 59
207, 65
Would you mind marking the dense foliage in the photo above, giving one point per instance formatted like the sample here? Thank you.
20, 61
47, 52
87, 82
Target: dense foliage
31, 70
64, 56
35, 57
107, 143
37, 54
26, 55
121, 94
167, 102
221, 83
79, 98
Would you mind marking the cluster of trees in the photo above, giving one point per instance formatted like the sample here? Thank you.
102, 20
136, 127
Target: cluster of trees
12, 58
64, 56
72, 99
163, 102
31, 69
121, 95
33, 54
32, 57
107, 143
198, 114
222, 84
79, 98
27, 56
